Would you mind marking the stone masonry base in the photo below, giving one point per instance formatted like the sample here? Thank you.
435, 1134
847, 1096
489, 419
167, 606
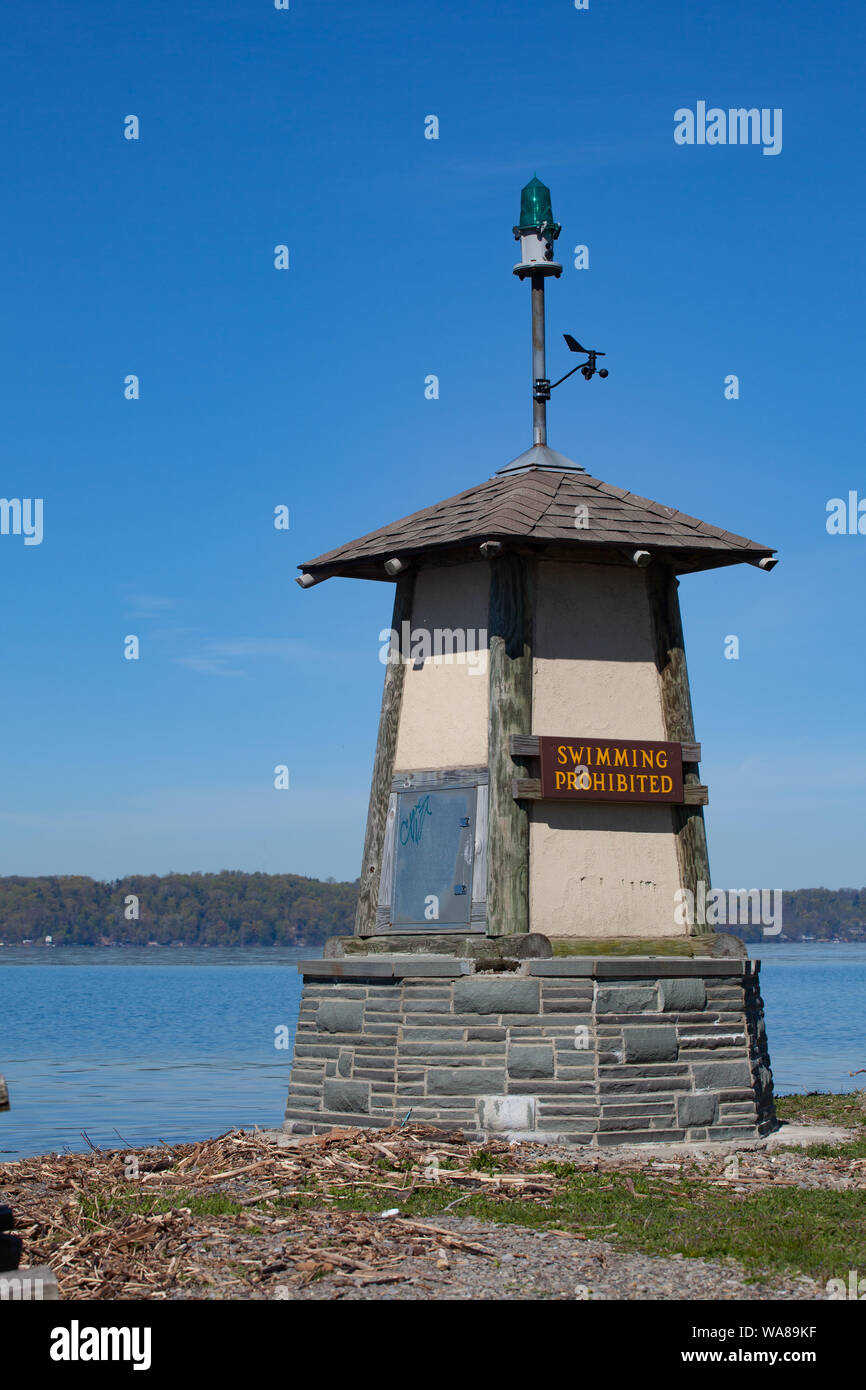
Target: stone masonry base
576, 1050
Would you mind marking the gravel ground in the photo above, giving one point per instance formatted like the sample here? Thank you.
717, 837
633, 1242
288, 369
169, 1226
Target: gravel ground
528, 1264
247, 1217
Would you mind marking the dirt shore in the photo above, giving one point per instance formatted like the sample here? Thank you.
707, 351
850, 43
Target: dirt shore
415, 1214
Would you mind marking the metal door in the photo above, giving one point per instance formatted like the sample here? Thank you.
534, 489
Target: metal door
435, 839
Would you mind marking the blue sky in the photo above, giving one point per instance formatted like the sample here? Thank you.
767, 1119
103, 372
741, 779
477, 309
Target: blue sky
305, 387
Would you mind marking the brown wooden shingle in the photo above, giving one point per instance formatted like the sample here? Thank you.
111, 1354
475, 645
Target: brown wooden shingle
536, 508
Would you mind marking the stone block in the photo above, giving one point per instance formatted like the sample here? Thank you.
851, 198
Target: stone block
464, 1081
718, 1076
764, 1078
436, 1034
664, 1084
623, 1122
348, 1096
650, 1044
340, 1016
301, 1076
643, 1071
626, 999
543, 1085
683, 996
697, 1110
500, 1113
479, 995
583, 1129
526, 1061
737, 1114
641, 1136
660, 1107
718, 1133
583, 1115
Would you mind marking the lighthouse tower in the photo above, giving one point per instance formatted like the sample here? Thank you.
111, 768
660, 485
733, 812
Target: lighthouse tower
535, 842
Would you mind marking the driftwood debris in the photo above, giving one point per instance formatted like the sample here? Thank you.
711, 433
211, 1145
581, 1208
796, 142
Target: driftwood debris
243, 1216
116, 1228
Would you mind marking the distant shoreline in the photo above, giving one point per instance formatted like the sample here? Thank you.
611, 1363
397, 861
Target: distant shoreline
39, 946
232, 908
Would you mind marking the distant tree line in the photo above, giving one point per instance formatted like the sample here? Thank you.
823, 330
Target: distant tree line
823, 913
238, 909
224, 909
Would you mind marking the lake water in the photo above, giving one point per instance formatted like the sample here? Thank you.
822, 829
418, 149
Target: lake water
137, 1045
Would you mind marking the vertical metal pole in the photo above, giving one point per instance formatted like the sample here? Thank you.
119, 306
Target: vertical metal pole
539, 408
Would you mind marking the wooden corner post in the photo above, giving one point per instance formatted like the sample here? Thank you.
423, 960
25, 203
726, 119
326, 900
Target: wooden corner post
383, 766
510, 635
689, 828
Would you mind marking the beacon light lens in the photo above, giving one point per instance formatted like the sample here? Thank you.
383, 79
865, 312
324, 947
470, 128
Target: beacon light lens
536, 210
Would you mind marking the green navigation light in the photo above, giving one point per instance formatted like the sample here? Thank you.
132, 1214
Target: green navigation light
536, 211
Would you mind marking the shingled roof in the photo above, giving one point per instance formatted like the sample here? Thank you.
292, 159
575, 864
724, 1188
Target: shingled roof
535, 509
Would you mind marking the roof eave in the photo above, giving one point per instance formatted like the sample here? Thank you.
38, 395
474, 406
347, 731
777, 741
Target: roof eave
683, 559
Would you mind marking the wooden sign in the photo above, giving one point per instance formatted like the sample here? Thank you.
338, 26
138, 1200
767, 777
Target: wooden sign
610, 769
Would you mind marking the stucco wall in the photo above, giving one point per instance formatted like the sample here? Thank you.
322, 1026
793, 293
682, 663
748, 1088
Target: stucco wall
598, 869
443, 717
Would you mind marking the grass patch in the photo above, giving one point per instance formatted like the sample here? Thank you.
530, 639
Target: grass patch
817, 1232
823, 1107
856, 1148
136, 1204
482, 1161
559, 1170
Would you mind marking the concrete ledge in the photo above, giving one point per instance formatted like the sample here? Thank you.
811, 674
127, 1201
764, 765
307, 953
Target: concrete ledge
668, 967
385, 968
432, 967
345, 969
574, 967
641, 967
397, 967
